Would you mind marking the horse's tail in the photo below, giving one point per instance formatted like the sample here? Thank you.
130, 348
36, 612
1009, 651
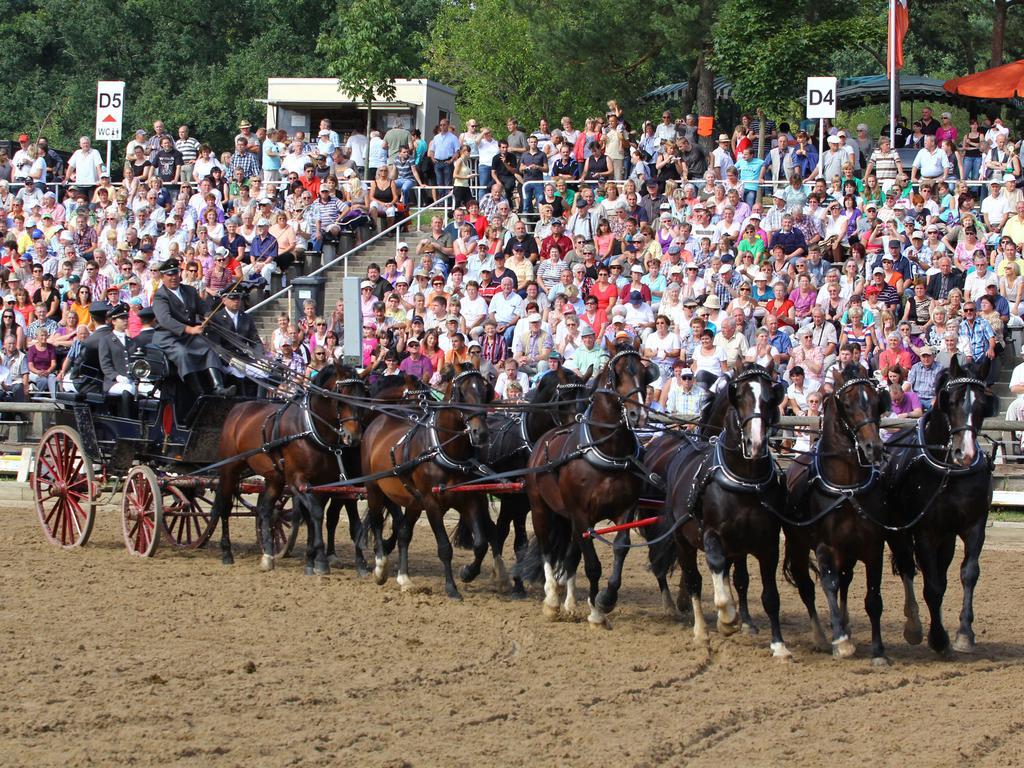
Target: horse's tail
901, 555
787, 561
531, 566
462, 537
662, 554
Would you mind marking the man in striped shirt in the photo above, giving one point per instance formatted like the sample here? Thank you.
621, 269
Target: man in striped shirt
188, 147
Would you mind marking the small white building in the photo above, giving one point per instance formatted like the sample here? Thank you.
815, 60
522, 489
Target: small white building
300, 103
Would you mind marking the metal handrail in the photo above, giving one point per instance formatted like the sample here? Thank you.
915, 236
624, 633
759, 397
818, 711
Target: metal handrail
396, 227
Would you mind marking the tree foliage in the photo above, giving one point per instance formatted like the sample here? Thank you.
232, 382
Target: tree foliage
767, 48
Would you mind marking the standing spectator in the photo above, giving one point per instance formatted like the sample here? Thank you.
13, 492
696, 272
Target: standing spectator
85, 166
442, 150
188, 149
243, 160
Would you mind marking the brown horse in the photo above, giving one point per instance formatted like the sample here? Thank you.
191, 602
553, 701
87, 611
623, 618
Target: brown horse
594, 474
301, 441
436, 449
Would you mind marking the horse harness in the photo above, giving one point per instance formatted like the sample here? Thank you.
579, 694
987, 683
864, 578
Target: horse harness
273, 440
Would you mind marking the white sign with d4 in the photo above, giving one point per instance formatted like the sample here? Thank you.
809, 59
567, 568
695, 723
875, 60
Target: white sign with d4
821, 97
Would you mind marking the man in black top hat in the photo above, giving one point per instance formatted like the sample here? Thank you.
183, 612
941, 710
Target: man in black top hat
179, 334
88, 377
234, 330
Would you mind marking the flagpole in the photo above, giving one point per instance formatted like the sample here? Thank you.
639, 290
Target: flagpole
892, 74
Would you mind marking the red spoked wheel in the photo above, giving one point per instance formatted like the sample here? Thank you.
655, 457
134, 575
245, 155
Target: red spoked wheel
64, 488
141, 512
188, 521
284, 528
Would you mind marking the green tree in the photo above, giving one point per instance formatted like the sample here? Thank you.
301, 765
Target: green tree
363, 48
767, 48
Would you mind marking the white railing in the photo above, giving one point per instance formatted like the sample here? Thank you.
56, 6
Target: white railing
396, 229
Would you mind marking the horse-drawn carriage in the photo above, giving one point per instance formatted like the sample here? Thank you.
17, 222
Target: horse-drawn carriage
157, 455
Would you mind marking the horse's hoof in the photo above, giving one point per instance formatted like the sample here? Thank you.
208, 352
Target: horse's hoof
322, 569
468, 573
334, 560
843, 648
267, 563
380, 571
781, 652
227, 560
453, 593
963, 644
750, 629
518, 592
725, 629
307, 570
913, 634
362, 571
550, 612
605, 601
404, 582
880, 661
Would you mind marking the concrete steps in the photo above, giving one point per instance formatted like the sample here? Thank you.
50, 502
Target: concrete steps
378, 252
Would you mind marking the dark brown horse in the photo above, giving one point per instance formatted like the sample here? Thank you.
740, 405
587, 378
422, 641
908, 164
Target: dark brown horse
594, 474
835, 498
439, 448
302, 440
722, 498
942, 480
512, 437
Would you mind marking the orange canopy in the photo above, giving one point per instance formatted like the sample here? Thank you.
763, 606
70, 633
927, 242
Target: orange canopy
1005, 82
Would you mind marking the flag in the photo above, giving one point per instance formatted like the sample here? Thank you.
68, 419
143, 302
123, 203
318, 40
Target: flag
899, 22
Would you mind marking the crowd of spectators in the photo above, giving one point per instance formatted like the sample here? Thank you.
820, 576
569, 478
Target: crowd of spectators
563, 243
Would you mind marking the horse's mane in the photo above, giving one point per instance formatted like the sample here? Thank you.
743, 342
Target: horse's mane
324, 375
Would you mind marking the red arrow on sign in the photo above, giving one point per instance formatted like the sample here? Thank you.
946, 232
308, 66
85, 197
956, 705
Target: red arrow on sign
109, 119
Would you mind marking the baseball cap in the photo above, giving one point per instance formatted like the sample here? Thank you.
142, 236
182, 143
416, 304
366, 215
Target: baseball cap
877, 271
636, 297
533, 317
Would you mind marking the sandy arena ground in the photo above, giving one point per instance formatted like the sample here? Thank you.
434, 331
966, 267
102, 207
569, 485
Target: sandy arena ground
107, 660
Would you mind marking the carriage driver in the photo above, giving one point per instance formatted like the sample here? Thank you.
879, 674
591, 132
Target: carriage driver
87, 375
115, 347
179, 334
236, 331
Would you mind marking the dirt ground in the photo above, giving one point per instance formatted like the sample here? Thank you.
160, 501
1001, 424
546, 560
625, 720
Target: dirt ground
106, 660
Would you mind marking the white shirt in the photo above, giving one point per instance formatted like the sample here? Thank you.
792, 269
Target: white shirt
931, 164
357, 146
995, 207
85, 165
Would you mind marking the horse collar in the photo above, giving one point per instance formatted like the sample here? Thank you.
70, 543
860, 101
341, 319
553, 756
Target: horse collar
442, 458
598, 458
841, 490
940, 466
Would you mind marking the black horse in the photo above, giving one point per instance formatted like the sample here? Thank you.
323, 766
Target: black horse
943, 481
724, 497
513, 436
835, 498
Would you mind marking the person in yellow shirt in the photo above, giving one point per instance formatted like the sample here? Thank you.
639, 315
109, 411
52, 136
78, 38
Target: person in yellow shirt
1014, 226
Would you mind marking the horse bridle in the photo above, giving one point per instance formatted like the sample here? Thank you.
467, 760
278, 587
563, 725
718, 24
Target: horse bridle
853, 429
967, 382
455, 390
747, 375
336, 389
613, 376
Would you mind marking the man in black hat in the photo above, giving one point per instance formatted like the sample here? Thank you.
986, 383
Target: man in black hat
115, 348
88, 377
236, 331
179, 334
145, 337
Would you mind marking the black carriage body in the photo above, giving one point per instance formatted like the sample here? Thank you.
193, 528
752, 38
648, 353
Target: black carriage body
176, 434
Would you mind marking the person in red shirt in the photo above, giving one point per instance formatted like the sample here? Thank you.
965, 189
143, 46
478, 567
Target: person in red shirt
592, 316
476, 219
557, 237
606, 293
310, 181
636, 273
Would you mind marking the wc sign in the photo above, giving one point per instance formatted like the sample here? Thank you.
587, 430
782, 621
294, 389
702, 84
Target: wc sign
821, 97
109, 109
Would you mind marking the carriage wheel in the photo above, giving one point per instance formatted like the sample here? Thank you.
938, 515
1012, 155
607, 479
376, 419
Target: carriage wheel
141, 511
64, 488
188, 521
284, 529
